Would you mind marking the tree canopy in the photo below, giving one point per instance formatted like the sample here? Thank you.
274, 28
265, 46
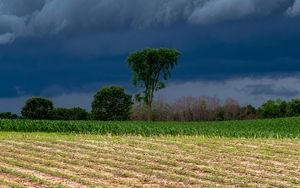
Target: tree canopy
151, 68
37, 108
111, 103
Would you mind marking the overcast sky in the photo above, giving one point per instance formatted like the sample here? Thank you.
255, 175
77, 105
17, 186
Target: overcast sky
68, 49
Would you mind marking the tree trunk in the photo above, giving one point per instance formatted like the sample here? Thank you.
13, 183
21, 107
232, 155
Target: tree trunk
149, 106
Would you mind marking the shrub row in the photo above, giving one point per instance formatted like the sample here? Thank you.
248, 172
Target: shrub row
111, 103
196, 109
212, 109
8, 115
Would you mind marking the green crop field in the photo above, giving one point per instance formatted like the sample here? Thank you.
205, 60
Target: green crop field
260, 153
276, 128
80, 160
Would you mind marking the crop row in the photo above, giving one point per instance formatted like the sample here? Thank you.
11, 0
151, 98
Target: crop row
150, 162
276, 128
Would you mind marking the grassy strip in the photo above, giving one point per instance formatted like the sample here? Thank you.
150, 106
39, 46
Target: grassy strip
276, 128
47, 171
31, 178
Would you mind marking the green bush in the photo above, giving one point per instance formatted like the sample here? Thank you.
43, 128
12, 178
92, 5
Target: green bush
8, 115
293, 108
272, 109
220, 112
37, 108
70, 114
248, 112
111, 103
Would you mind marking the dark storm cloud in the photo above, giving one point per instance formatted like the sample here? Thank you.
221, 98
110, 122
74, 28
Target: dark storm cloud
253, 90
271, 90
73, 47
38, 17
294, 10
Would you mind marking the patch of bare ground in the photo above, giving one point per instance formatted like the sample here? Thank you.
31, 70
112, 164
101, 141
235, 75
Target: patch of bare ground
2, 144
2, 185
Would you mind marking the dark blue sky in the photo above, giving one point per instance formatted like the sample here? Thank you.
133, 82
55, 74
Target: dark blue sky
57, 48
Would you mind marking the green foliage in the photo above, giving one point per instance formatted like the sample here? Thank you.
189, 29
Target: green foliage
111, 103
272, 109
70, 114
37, 108
268, 128
248, 112
293, 108
151, 67
220, 114
283, 108
8, 115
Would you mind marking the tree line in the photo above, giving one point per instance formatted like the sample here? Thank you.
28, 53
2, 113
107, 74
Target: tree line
109, 104
151, 68
213, 109
113, 104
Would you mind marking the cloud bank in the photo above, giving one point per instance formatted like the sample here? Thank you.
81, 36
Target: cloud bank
245, 90
7, 38
50, 17
294, 10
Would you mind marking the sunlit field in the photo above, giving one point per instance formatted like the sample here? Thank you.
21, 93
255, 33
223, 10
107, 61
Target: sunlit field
80, 160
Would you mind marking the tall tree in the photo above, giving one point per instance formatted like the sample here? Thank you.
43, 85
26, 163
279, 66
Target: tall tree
151, 67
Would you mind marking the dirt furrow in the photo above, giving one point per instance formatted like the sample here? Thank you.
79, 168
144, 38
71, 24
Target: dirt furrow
153, 164
39, 179
143, 178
